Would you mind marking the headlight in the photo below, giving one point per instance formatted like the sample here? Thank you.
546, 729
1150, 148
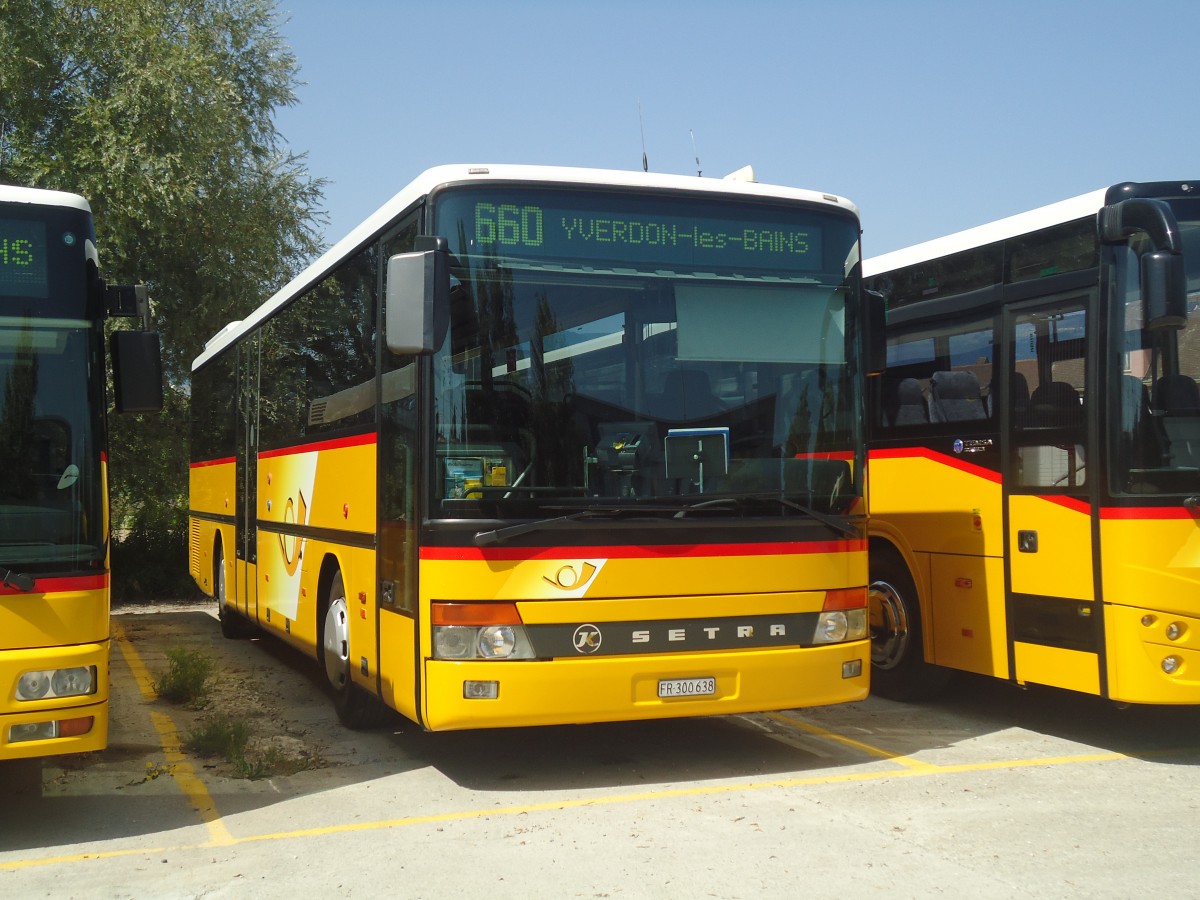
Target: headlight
453, 641
72, 682
481, 642
497, 641
479, 631
43, 683
33, 685
838, 625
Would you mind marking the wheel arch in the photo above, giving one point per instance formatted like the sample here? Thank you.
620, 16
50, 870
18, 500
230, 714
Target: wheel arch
890, 545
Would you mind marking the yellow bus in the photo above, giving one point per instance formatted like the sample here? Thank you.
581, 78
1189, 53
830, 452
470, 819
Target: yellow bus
540, 445
1035, 451
54, 528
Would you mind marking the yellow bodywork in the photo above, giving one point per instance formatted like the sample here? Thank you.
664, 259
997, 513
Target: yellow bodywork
945, 516
316, 510
1152, 591
657, 586
64, 623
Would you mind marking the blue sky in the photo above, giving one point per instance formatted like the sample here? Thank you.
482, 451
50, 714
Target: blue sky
931, 116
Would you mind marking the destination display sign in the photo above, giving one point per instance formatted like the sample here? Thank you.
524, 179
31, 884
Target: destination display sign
24, 271
615, 230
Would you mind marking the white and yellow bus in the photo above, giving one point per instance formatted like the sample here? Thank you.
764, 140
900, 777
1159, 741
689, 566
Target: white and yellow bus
54, 527
1035, 451
543, 445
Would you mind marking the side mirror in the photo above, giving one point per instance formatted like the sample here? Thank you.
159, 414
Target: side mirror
1164, 290
417, 297
1163, 278
137, 371
876, 338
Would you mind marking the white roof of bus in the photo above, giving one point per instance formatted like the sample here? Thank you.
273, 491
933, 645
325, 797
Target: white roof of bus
1001, 229
12, 194
439, 176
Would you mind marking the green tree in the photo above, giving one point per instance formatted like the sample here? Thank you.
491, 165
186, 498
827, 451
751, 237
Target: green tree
161, 113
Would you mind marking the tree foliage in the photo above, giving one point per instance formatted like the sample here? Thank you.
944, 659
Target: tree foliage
161, 113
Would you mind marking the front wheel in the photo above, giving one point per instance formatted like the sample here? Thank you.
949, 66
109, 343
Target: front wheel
355, 707
898, 667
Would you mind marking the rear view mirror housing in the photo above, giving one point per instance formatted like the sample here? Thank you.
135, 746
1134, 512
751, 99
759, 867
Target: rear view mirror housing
137, 371
417, 298
1164, 290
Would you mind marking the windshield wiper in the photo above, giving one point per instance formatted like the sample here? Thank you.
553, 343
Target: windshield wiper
828, 521
16, 580
735, 499
500, 535
711, 503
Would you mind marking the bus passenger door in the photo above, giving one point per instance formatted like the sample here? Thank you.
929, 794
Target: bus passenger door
399, 423
1055, 625
246, 539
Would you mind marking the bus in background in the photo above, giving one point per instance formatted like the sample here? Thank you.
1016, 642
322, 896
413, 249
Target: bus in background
543, 445
54, 526
1035, 451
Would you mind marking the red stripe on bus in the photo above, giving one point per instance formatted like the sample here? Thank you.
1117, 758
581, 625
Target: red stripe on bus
1147, 512
356, 440
941, 459
847, 455
54, 585
673, 551
1072, 503
228, 460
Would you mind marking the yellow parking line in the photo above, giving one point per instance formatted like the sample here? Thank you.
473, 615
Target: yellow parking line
707, 790
877, 752
579, 803
195, 790
168, 734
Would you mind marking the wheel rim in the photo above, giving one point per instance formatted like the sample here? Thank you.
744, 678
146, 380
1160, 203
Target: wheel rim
337, 642
220, 585
889, 625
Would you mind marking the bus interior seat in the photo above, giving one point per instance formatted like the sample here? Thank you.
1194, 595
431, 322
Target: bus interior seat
904, 402
1055, 404
1177, 404
955, 397
1018, 396
912, 408
1177, 394
1138, 440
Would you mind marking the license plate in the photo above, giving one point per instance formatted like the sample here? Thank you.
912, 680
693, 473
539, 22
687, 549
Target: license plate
687, 687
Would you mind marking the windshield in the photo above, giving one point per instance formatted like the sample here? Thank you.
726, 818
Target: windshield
1158, 444
642, 352
50, 500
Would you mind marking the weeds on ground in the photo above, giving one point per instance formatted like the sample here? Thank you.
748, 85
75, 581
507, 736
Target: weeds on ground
219, 736
228, 739
187, 679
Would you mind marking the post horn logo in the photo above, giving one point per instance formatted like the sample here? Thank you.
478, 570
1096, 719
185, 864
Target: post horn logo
572, 578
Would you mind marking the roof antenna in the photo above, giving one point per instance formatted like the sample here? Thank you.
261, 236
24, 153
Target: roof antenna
696, 152
642, 126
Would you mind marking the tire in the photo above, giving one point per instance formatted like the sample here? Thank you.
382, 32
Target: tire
355, 708
898, 667
233, 626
